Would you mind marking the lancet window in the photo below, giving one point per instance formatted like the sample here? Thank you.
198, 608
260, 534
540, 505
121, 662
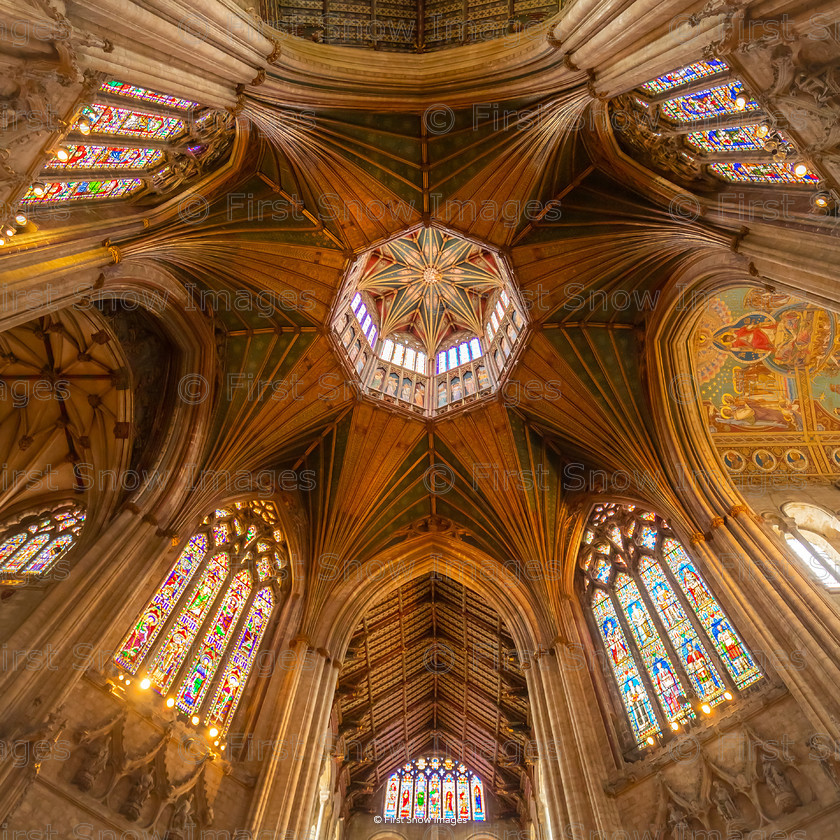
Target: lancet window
434, 790
671, 652
31, 546
196, 640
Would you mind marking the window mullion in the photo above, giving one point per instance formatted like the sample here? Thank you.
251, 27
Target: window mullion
655, 702
201, 632
708, 643
809, 547
663, 634
154, 650
204, 708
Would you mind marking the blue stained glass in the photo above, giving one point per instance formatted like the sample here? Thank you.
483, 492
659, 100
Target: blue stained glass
647, 537
80, 190
660, 669
739, 138
633, 693
84, 156
732, 651
693, 655
763, 173
705, 104
685, 75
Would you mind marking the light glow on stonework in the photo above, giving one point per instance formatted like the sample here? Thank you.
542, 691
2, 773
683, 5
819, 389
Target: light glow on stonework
210, 614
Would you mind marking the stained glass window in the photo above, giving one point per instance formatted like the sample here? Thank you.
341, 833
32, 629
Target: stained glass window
739, 138
125, 122
705, 104
31, 546
763, 173
80, 190
201, 631
669, 647
773, 158
87, 156
434, 789
135, 92
684, 76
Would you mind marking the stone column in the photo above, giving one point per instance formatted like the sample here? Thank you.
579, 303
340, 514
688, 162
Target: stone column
569, 746
297, 710
790, 627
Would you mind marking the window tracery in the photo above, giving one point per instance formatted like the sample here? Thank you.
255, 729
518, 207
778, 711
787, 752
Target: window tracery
809, 532
128, 140
670, 648
434, 790
223, 587
700, 122
32, 545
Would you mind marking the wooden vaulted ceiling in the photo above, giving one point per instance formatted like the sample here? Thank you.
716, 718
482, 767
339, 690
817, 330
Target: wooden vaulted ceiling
313, 191
317, 189
432, 670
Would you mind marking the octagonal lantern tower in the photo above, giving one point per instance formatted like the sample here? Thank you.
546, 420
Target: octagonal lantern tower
428, 321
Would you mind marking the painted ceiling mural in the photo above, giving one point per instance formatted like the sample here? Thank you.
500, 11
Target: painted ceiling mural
767, 368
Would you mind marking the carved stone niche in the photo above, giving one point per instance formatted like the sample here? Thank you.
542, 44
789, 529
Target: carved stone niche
798, 82
148, 776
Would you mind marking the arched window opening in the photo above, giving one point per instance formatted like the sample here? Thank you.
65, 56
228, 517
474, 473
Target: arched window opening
434, 790
130, 141
683, 111
812, 534
819, 556
33, 544
672, 652
197, 638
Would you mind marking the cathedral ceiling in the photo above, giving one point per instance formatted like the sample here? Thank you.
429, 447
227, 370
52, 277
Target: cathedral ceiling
264, 248
432, 671
328, 186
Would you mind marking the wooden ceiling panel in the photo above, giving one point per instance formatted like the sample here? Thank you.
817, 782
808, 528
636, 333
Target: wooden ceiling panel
426, 672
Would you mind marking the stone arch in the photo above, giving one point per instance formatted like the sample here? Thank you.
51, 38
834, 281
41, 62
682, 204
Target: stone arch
330, 627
